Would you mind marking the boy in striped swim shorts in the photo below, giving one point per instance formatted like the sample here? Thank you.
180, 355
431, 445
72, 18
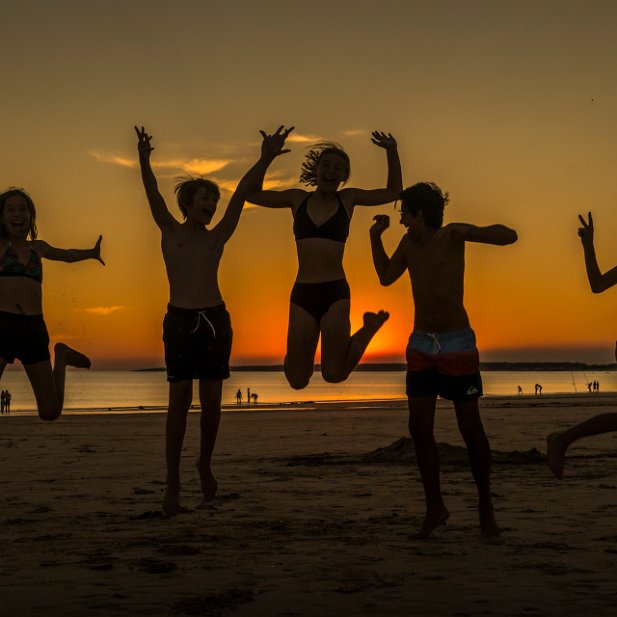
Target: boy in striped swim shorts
442, 358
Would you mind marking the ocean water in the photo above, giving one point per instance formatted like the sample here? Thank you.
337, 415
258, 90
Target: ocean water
129, 390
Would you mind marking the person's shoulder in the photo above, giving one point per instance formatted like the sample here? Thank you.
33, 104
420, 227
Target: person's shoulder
40, 247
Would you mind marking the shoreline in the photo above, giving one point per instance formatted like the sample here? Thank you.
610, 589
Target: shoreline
590, 399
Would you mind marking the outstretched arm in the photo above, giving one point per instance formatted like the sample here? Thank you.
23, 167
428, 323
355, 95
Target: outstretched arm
158, 207
492, 234
376, 197
599, 282
68, 255
271, 147
388, 269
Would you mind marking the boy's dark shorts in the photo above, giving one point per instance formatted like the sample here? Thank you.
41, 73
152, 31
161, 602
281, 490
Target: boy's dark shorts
197, 343
24, 337
444, 364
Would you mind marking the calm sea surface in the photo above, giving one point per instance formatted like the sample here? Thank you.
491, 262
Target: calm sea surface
119, 390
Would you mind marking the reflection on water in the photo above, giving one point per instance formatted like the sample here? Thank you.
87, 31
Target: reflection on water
122, 389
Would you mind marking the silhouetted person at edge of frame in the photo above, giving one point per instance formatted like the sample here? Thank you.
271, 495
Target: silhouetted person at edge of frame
197, 329
320, 298
442, 358
557, 443
23, 333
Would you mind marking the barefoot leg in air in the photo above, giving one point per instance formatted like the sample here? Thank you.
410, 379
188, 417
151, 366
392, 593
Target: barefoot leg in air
180, 399
340, 351
210, 394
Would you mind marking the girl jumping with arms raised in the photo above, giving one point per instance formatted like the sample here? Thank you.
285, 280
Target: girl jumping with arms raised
320, 298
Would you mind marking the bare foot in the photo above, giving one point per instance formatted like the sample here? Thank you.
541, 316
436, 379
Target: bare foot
171, 500
374, 321
555, 453
209, 484
70, 356
488, 524
430, 522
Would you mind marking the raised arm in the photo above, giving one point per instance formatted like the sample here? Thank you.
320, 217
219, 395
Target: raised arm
271, 147
68, 255
599, 282
492, 234
158, 207
376, 197
388, 269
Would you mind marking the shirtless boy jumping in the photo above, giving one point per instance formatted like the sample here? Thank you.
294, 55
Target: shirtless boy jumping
442, 358
197, 329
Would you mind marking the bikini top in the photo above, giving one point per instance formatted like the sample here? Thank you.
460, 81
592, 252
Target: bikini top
11, 266
335, 228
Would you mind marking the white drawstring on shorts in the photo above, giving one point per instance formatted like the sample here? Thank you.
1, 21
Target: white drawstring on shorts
434, 336
201, 314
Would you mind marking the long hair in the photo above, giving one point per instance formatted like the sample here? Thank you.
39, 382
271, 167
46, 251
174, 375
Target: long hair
11, 192
308, 172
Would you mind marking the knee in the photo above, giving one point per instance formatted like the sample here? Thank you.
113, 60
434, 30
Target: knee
49, 413
333, 373
334, 376
420, 431
298, 382
298, 379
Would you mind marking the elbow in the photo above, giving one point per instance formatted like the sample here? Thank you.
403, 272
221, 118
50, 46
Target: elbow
512, 237
596, 287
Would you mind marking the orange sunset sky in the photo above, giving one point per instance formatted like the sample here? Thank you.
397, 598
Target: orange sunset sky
509, 106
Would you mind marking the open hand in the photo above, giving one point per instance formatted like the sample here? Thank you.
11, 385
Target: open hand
586, 231
143, 142
272, 144
383, 140
97, 250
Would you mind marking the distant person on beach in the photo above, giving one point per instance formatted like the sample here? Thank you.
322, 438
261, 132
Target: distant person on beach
520, 390
248, 396
8, 397
2, 400
538, 389
320, 298
239, 397
254, 396
442, 358
557, 443
23, 333
197, 329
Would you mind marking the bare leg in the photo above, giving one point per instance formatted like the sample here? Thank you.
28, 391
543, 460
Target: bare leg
3, 364
302, 339
479, 452
180, 398
557, 443
210, 394
421, 425
341, 352
48, 384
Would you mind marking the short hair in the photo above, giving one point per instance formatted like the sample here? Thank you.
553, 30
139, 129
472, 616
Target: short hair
428, 198
11, 192
308, 173
187, 187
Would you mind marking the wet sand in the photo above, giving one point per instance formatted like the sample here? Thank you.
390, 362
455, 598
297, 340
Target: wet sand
314, 516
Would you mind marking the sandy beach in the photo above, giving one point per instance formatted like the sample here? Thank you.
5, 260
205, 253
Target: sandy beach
314, 516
